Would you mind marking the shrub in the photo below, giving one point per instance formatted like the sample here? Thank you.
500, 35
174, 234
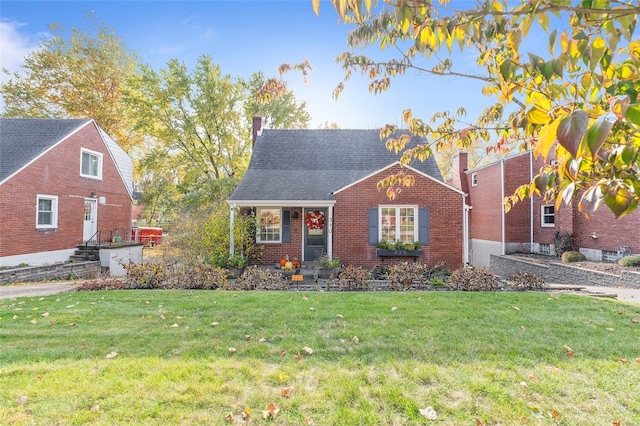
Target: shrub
523, 281
439, 271
326, 263
563, 242
101, 284
403, 276
255, 278
196, 276
384, 244
144, 276
353, 278
472, 279
379, 272
632, 260
572, 256
437, 282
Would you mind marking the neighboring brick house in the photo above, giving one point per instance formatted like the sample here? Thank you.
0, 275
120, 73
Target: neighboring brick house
61, 181
531, 225
314, 192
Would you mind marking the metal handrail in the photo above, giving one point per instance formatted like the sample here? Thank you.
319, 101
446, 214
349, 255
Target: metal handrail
107, 237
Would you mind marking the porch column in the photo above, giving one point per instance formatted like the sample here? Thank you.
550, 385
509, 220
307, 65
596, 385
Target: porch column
232, 218
330, 233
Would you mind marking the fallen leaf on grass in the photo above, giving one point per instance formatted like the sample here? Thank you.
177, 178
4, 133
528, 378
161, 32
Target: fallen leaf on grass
312, 309
112, 355
232, 350
532, 378
523, 328
307, 350
271, 412
516, 308
479, 422
175, 325
554, 414
230, 418
308, 421
570, 352
262, 340
21, 400
71, 324
214, 323
355, 340
340, 316
286, 392
46, 314
282, 352
624, 361
393, 308
616, 423
524, 384
429, 413
247, 337
635, 321
637, 360
299, 357
95, 407
609, 328
34, 321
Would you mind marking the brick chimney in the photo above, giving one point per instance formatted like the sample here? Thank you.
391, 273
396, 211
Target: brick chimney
459, 167
256, 129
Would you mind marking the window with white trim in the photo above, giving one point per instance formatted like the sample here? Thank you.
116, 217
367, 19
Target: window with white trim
398, 223
47, 211
269, 225
548, 216
91, 164
474, 179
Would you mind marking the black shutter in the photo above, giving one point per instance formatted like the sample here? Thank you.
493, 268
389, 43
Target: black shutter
286, 226
423, 222
373, 225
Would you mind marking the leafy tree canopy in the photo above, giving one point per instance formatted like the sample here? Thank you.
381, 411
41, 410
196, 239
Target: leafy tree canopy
574, 99
76, 75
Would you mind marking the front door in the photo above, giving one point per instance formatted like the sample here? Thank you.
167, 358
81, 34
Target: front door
315, 234
90, 218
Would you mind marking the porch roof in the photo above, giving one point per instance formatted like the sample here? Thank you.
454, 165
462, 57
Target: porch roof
306, 166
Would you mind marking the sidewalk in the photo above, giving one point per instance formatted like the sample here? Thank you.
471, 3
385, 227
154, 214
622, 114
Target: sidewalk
620, 293
12, 291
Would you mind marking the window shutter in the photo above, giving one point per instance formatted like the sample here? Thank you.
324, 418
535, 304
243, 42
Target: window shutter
286, 226
373, 225
423, 222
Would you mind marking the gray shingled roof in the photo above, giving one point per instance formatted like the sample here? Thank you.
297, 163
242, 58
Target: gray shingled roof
24, 139
309, 165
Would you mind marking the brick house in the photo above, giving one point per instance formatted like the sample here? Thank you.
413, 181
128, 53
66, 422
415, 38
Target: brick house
61, 181
314, 193
532, 225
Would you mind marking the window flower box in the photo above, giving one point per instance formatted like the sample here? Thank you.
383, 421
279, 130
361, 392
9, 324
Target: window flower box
398, 253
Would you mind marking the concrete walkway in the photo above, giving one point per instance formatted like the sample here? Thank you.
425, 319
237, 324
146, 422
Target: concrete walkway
13, 291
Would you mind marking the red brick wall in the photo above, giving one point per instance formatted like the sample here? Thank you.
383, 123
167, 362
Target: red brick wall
350, 230
485, 215
58, 173
611, 232
517, 171
274, 252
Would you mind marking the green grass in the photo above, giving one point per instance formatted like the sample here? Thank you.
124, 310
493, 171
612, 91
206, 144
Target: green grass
496, 358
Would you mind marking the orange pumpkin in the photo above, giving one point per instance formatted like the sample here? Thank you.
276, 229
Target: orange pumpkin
296, 263
283, 262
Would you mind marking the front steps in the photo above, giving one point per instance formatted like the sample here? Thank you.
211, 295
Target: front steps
85, 253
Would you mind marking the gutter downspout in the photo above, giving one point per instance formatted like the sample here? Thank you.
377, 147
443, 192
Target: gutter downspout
502, 215
465, 231
232, 217
330, 233
531, 203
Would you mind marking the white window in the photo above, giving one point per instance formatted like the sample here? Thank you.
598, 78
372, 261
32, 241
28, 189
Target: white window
269, 225
91, 164
474, 179
47, 211
398, 223
548, 217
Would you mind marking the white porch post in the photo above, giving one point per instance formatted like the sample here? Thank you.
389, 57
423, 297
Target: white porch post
330, 233
232, 218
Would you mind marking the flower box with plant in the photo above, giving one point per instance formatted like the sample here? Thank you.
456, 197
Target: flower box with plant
399, 248
329, 268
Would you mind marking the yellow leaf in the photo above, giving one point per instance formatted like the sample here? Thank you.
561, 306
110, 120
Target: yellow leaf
316, 6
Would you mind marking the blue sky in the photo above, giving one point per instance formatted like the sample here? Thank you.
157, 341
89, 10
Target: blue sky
244, 37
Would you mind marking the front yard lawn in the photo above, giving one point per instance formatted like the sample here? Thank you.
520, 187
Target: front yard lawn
288, 358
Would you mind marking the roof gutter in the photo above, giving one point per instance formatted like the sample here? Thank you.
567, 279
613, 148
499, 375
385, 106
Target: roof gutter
288, 203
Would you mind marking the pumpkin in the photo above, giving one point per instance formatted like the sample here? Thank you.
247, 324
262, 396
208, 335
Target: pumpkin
296, 263
283, 262
288, 266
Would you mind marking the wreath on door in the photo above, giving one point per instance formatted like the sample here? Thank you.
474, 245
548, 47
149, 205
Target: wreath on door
315, 219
